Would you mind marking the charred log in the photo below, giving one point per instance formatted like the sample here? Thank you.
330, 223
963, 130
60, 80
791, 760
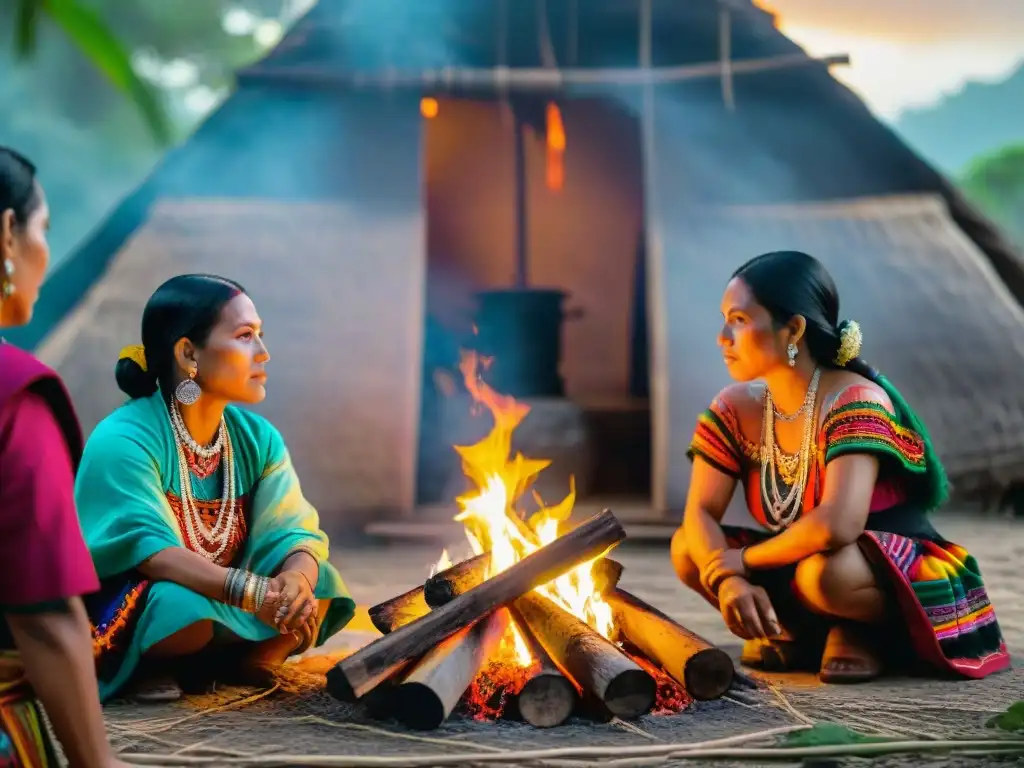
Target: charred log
399, 611
431, 690
594, 662
706, 672
376, 701
375, 662
442, 587
548, 697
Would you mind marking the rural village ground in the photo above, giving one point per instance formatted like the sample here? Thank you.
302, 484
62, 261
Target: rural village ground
244, 727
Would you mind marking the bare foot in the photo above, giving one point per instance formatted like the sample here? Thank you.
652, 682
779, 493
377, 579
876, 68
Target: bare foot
155, 690
848, 657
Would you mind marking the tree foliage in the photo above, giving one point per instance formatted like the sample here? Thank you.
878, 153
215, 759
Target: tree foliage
996, 183
84, 131
92, 36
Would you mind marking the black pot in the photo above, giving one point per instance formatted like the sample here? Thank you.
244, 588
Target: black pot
521, 329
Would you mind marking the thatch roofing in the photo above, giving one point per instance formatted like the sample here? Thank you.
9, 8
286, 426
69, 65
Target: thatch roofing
936, 319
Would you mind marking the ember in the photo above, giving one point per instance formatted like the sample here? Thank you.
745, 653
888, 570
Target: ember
570, 639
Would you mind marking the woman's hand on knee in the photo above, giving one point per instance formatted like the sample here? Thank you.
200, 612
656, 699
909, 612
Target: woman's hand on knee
747, 609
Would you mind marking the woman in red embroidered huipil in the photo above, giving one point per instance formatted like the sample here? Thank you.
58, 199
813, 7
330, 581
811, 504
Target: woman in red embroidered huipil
840, 473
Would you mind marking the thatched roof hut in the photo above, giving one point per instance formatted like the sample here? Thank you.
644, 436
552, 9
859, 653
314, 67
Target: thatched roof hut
697, 136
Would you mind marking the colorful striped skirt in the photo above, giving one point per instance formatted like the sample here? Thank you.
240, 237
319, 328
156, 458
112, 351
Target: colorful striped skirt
939, 596
25, 741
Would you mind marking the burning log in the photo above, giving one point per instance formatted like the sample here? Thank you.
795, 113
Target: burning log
442, 587
706, 672
430, 692
364, 669
399, 611
548, 697
601, 669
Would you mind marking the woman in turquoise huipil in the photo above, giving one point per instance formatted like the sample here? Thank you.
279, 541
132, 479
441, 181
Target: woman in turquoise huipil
212, 562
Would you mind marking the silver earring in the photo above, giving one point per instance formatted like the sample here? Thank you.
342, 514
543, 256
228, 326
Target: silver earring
187, 392
6, 285
791, 351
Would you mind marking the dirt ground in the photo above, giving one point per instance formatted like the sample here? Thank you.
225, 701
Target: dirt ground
246, 727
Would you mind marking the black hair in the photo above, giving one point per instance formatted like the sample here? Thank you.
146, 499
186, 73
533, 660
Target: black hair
19, 191
186, 306
790, 283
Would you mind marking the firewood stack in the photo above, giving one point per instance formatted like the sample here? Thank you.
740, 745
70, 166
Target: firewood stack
438, 638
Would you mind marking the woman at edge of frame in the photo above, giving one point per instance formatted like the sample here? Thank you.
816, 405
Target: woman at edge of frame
45, 650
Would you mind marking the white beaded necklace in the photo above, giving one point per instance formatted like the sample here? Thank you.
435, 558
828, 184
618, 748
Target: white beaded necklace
195, 527
781, 511
202, 451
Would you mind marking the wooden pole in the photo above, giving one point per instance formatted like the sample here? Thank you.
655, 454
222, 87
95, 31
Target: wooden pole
527, 79
706, 672
521, 194
548, 697
442, 587
725, 56
432, 689
594, 662
375, 662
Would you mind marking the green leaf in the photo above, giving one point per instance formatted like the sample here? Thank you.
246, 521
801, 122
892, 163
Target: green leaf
26, 25
93, 38
828, 735
1011, 720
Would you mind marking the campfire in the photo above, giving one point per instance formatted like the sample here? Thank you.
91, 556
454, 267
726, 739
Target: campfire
534, 626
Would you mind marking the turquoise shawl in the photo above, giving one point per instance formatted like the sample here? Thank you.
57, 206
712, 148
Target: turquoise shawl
130, 465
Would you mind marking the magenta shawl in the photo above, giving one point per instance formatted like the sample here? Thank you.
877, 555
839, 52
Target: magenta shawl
42, 554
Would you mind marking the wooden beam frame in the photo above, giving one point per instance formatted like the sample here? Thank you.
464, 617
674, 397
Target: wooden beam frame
528, 79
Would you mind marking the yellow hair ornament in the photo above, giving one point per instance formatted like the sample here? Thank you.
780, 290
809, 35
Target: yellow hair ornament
850, 341
135, 352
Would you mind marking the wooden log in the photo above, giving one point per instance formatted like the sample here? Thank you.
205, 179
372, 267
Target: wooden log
706, 672
442, 587
376, 661
548, 697
594, 662
376, 701
445, 585
431, 690
399, 611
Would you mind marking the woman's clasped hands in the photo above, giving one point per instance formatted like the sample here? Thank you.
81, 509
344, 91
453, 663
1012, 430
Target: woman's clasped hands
290, 606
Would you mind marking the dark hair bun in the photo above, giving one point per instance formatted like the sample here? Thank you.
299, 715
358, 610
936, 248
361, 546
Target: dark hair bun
132, 380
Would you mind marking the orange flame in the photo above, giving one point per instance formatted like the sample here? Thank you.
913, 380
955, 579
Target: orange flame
493, 524
555, 148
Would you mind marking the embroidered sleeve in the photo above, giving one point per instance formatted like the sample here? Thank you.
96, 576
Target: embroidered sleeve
716, 439
861, 421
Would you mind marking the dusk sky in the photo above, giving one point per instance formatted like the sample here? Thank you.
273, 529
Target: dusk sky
907, 53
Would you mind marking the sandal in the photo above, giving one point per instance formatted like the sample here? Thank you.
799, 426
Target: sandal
161, 689
848, 657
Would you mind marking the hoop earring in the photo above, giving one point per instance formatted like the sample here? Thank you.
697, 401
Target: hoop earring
6, 283
187, 392
791, 351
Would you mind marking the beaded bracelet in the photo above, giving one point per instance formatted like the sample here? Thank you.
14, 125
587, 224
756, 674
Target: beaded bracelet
245, 590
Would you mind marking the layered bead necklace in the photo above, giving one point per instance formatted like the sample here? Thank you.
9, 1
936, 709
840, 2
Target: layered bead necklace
779, 510
221, 534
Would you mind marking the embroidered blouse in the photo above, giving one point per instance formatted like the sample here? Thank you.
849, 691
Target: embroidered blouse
859, 419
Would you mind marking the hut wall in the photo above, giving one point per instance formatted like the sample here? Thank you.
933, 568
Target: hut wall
318, 214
